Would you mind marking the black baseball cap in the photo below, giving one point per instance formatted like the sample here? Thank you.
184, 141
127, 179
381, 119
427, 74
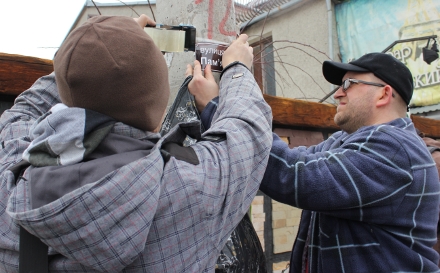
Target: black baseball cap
384, 66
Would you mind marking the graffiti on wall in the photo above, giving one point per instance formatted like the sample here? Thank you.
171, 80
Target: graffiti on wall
221, 27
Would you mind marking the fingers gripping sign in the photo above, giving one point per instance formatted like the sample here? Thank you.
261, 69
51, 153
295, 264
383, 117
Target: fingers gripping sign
203, 87
239, 50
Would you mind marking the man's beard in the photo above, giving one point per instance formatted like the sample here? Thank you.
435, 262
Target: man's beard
354, 116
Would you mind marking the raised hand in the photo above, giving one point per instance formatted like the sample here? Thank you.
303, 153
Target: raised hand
202, 87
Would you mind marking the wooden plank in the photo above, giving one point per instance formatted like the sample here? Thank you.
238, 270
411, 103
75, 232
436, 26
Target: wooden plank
429, 126
18, 73
292, 112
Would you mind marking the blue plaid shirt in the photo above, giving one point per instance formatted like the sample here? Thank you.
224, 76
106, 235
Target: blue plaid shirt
370, 200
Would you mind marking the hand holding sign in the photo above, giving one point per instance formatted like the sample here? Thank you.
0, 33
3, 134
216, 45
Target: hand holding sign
212, 57
211, 53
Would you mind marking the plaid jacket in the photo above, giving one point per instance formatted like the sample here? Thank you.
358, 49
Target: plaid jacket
145, 216
370, 200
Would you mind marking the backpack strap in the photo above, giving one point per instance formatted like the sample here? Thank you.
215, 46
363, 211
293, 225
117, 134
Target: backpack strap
172, 149
185, 153
33, 253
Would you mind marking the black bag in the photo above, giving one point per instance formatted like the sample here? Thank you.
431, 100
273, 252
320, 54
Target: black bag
243, 251
183, 109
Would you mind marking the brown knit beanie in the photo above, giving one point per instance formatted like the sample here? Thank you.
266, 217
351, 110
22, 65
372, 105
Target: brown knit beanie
110, 65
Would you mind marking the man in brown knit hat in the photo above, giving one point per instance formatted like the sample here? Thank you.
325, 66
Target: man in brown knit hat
105, 192
108, 65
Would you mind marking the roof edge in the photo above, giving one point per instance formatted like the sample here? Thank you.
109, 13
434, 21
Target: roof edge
126, 3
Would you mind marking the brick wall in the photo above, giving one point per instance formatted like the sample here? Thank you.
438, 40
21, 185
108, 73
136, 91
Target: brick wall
258, 217
285, 223
283, 220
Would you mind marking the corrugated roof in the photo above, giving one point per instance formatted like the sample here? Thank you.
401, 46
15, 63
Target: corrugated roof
246, 10
425, 109
118, 3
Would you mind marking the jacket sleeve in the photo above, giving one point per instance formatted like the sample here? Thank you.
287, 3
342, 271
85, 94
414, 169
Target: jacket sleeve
15, 124
230, 171
16, 121
208, 113
366, 171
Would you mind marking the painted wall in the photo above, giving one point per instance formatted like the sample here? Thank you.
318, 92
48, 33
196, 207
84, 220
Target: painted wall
300, 36
301, 41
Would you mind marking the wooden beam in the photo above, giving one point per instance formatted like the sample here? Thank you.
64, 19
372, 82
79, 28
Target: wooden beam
293, 112
18, 73
429, 126
299, 113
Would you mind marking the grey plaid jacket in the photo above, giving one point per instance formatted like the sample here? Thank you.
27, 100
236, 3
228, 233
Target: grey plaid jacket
147, 216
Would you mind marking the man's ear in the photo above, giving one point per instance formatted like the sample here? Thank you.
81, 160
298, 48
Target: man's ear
385, 96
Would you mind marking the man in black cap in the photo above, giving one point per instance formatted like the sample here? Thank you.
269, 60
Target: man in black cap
369, 193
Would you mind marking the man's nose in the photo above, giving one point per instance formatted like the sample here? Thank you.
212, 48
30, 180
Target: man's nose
339, 93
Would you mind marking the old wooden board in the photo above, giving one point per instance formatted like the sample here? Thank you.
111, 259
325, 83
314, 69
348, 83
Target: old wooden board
293, 113
18, 73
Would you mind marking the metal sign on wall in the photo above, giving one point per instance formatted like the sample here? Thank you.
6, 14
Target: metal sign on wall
210, 53
369, 26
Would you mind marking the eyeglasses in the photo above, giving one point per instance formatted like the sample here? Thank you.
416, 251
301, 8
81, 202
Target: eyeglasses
346, 83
